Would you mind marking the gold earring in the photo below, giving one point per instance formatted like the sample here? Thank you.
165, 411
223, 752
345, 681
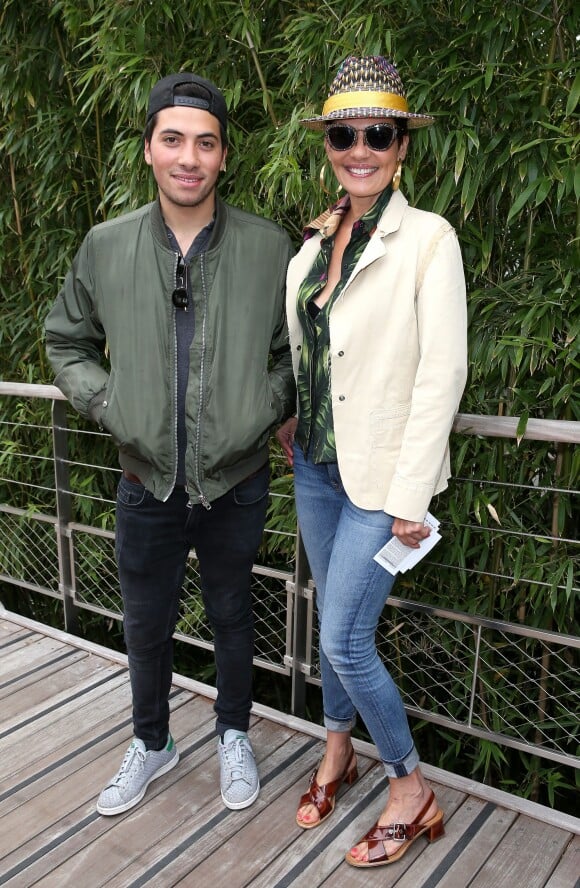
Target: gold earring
322, 182
321, 179
396, 181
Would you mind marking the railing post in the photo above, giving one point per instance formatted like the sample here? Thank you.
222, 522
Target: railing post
64, 513
475, 676
301, 630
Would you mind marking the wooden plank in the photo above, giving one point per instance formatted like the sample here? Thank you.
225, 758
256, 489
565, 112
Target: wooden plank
506, 427
51, 725
17, 681
281, 754
101, 747
49, 681
187, 794
69, 804
50, 833
503, 799
8, 629
51, 745
567, 872
66, 699
527, 855
345, 876
271, 837
472, 834
305, 849
75, 641
31, 390
20, 657
209, 824
13, 638
463, 784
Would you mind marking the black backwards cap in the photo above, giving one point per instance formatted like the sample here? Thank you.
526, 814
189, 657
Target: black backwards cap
208, 97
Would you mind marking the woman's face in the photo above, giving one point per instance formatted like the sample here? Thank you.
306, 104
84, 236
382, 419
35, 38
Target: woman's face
362, 172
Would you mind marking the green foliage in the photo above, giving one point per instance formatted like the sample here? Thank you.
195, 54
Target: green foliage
500, 163
500, 78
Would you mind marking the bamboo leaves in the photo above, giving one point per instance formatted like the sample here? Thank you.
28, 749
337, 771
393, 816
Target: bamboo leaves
500, 164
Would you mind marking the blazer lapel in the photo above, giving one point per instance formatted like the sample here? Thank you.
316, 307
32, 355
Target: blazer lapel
389, 222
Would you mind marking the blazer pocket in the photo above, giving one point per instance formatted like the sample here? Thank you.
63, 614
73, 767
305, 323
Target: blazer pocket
386, 426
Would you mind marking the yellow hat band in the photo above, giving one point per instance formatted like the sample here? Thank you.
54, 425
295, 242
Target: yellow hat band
364, 99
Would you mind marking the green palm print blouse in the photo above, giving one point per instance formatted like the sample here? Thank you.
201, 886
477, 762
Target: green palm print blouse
315, 430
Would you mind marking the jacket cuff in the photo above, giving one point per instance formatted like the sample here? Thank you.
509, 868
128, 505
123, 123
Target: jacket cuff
408, 500
96, 408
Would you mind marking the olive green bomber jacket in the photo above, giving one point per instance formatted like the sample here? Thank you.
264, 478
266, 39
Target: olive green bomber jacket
118, 293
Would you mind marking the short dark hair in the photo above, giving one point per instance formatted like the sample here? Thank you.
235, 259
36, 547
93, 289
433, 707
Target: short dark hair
192, 91
402, 128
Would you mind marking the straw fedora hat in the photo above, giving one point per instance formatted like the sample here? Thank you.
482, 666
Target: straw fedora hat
367, 87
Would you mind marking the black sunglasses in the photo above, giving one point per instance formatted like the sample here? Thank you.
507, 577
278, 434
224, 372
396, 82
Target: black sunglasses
180, 295
378, 136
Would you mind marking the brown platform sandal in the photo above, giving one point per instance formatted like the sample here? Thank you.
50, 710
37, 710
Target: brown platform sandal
323, 797
406, 833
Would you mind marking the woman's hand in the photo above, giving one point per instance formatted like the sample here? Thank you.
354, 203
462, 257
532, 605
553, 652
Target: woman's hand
410, 533
285, 435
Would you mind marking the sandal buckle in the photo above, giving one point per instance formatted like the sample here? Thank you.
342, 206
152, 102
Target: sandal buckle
399, 832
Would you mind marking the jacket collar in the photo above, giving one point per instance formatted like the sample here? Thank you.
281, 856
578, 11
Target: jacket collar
158, 224
160, 232
389, 222
391, 219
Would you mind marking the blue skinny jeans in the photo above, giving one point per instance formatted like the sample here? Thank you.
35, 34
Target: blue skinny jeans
351, 590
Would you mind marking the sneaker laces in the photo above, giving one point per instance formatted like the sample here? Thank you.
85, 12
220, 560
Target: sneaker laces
234, 754
133, 757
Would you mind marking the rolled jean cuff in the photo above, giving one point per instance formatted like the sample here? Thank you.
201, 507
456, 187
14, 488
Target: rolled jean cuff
403, 768
339, 725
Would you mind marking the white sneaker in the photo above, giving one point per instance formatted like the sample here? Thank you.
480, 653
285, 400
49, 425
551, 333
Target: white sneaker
239, 781
138, 768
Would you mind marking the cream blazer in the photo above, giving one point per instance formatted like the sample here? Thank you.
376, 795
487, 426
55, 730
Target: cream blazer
398, 351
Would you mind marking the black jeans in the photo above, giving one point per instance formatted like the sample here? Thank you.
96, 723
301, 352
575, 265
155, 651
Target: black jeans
152, 543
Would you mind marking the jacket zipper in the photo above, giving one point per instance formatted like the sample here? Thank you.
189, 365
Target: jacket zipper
173, 315
202, 497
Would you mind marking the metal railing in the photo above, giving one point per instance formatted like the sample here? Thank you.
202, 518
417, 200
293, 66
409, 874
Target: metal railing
509, 682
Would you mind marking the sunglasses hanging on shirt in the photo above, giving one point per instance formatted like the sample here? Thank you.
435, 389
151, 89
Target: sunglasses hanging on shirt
179, 295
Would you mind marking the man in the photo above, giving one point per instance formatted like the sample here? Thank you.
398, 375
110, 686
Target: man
187, 295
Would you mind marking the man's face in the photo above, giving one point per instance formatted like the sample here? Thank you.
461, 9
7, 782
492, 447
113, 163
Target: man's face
186, 155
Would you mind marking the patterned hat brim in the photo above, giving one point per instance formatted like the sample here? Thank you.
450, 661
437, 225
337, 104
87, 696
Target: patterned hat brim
414, 121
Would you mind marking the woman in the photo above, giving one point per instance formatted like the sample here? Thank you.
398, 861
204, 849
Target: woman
377, 321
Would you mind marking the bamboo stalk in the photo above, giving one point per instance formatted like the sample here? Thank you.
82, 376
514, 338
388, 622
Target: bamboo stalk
262, 78
530, 227
543, 696
73, 105
15, 196
23, 261
545, 661
99, 156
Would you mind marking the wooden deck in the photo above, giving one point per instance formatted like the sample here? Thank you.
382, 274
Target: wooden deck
66, 722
